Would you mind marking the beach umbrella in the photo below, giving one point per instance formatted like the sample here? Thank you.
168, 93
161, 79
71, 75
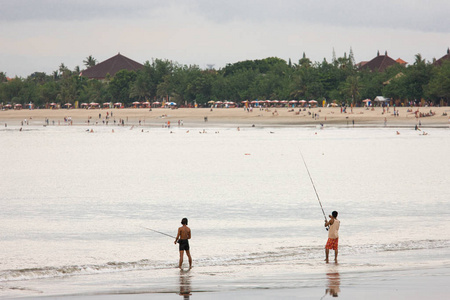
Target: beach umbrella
219, 102
366, 100
8, 105
283, 101
293, 101
312, 101
68, 104
171, 103
245, 101
18, 105
82, 104
302, 101
211, 101
156, 102
136, 103
53, 104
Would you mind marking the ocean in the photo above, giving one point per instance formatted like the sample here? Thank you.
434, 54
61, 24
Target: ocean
75, 207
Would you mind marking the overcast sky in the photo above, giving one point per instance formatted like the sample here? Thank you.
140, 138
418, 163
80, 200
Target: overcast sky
39, 35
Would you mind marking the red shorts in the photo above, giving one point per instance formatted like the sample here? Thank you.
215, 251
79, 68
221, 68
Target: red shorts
332, 244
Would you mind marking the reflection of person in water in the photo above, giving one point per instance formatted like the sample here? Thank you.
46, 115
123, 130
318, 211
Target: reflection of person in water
185, 284
334, 283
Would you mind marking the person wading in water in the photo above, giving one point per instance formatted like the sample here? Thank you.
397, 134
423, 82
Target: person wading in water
184, 234
333, 235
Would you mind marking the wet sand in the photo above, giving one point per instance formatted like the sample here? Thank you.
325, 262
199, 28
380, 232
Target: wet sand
233, 117
400, 284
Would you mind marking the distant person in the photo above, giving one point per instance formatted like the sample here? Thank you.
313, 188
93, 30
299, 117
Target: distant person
184, 234
333, 235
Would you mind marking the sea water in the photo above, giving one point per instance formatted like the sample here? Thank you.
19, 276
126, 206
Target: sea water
75, 207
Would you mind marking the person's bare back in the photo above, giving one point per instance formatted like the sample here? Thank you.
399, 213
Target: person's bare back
184, 234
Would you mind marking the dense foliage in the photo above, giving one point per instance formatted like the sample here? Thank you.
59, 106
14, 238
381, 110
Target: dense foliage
270, 78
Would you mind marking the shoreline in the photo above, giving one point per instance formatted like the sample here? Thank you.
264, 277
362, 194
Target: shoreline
228, 117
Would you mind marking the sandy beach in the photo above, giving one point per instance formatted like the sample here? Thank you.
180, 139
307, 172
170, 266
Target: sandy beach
231, 117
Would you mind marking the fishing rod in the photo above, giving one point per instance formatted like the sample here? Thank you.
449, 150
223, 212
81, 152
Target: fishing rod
159, 232
314, 186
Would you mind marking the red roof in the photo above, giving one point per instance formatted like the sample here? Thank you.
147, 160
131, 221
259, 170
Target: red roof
111, 66
401, 61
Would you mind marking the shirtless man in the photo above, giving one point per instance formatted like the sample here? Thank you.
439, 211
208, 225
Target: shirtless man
184, 234
333, 235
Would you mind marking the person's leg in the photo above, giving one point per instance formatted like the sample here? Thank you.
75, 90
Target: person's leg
327, 251
181, 259
189, 257
335, 254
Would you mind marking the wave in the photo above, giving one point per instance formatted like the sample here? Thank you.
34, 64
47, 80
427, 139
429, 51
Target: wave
300, 255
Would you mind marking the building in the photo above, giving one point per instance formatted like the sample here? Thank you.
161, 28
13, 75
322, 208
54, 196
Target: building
378, 64
111, 66
443, 58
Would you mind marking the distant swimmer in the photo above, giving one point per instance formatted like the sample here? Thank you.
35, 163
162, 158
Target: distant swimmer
398, 133
183, 236
333, 235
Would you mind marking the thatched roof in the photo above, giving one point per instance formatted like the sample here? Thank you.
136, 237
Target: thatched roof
111, 66
379, 63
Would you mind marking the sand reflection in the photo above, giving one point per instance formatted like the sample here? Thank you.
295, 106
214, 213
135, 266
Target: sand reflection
185, 284
334, 283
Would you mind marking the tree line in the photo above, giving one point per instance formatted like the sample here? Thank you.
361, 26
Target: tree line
272, 78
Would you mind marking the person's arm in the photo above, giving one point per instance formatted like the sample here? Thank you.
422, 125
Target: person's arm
178, 235
189, 234
330, 222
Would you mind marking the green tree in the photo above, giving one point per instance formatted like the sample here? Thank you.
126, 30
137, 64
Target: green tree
120, 85
439, 85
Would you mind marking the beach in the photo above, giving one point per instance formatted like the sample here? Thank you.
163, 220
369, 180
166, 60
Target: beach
358, 116
76, 199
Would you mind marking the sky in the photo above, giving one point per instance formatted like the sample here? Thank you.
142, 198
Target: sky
39, 35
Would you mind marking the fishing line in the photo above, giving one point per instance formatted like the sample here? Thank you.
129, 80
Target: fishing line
159, 232
314, 186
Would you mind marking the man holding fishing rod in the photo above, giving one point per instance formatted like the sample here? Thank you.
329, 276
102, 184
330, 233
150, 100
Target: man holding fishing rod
184, 234
333, 235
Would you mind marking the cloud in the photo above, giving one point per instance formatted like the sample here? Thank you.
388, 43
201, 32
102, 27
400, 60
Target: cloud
428, 16
398, 14
75, 10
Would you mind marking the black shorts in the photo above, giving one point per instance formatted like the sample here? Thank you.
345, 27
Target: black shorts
184, 245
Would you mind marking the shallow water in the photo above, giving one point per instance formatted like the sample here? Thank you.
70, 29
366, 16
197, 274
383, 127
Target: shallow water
74, 205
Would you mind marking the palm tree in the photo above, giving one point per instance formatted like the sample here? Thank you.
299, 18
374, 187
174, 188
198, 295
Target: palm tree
63, 70
90, 61
352, 87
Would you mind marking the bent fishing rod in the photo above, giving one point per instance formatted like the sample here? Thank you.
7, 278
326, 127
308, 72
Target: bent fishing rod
314, 186
159, 232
